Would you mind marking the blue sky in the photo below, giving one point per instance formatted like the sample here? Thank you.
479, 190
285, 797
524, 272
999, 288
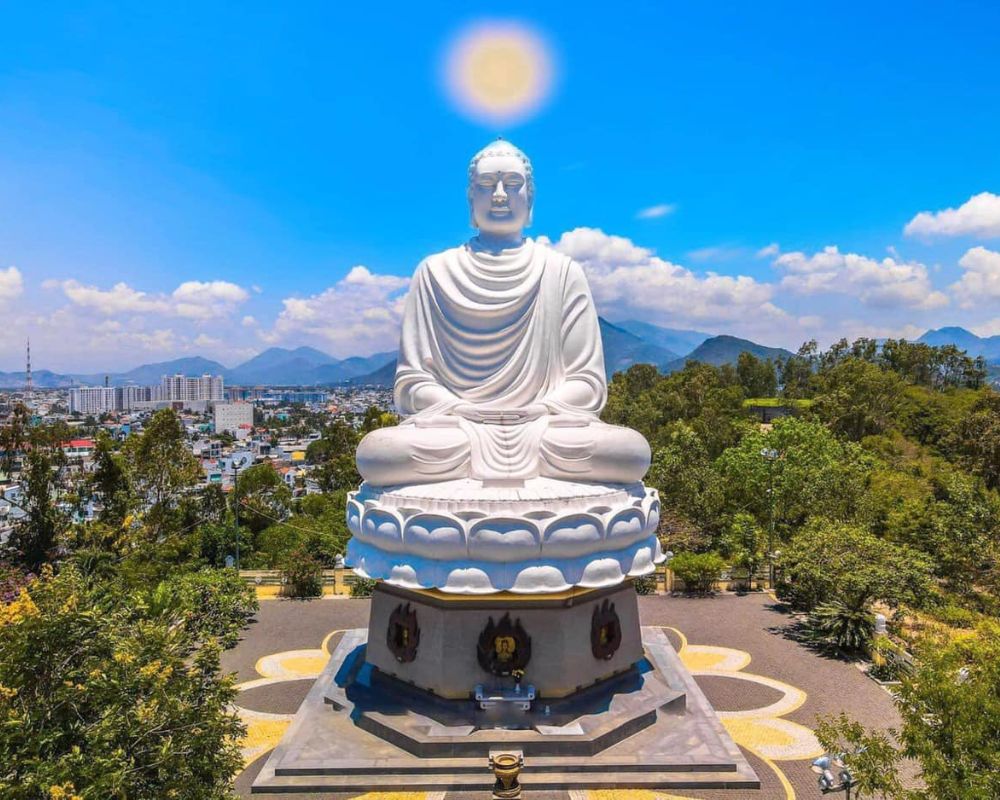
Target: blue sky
213, 179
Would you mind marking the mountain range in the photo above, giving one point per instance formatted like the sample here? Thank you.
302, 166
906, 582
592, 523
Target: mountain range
986, 346
625, 343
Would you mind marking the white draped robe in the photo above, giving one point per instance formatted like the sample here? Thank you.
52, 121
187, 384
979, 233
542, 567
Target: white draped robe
503, 332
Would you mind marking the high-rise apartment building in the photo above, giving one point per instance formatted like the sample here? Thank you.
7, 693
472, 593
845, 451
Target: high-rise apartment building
180, 388
92, 400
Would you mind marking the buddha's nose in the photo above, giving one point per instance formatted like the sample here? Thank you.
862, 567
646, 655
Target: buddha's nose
499, 193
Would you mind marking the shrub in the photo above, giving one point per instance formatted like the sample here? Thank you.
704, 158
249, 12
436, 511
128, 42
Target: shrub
217, 601
888, 659
956, 616
645, 585
698, 571
102, 698
363, 587
842, 626
302, 575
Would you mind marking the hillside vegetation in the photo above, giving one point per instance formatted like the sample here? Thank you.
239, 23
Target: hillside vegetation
880, 494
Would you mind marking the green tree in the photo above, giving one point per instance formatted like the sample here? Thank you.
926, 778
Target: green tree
101, 699
688, 484
162, 466
870, 756
814, 474
976, 439
745, 544
376, 417
337, 474
35, 536
857, 398
950, 709
757, 377
111, 483
834, 562
795, 373
263, 497
951, 715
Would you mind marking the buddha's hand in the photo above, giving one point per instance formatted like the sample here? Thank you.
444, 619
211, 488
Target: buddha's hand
468, 411
491, 415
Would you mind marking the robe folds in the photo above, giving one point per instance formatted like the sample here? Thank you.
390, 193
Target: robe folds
502, 331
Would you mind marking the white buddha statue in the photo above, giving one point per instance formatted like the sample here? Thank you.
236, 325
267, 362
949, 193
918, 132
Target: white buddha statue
501, 369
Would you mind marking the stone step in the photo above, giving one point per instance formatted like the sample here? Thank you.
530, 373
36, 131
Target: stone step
475, 766
532, 780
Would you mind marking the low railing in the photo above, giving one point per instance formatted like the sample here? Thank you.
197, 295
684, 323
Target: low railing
338, 582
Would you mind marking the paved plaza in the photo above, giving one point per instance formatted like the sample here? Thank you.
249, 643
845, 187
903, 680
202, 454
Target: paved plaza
767, 688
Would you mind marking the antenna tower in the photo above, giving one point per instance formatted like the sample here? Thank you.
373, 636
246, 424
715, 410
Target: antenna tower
28, 387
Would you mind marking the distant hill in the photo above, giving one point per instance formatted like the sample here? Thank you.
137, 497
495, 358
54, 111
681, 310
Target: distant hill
278, 365
307, 366
42, 378
988, 347
353, 367
679, 341
383, 376
623, 349
721, 350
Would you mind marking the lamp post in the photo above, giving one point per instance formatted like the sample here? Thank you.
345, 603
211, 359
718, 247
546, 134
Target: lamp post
236, 510
827, 781
770, 454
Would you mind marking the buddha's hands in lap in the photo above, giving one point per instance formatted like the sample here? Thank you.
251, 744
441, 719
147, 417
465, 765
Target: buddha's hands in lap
491, 415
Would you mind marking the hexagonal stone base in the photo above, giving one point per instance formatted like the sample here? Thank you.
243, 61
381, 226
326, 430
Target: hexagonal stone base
358, 731
449, 628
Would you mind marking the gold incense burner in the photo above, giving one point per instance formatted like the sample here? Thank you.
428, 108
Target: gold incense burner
506, 767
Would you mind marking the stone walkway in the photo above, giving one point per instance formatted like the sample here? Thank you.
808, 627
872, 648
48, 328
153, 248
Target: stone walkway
767, 688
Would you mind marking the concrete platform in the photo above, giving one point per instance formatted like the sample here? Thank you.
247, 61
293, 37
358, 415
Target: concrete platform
360, 731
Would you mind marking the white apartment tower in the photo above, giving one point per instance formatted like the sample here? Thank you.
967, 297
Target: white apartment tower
180, 388
91, 400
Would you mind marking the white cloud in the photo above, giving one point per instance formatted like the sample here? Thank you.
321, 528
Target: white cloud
626, 279
980, 282
11, 284
249, 322
358, 314
852, 329
204, 340
769, 251
199, 300
717, 253
657, 211
989, 328
120, 298
977, 216
887, 283
192, 299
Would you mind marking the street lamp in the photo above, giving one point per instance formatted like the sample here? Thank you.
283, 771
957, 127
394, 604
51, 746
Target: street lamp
236, 506
770, 454
828, 781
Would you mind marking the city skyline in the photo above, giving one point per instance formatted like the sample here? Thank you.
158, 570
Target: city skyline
178, 184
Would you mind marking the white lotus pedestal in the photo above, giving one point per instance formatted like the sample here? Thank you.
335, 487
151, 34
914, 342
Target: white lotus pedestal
505, 620
535, 537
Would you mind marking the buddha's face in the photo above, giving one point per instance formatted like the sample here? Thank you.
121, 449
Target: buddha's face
498, 196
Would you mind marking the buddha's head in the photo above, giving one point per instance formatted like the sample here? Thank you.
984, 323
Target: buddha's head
501, 189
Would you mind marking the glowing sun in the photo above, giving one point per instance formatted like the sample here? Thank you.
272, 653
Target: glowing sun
498, 72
